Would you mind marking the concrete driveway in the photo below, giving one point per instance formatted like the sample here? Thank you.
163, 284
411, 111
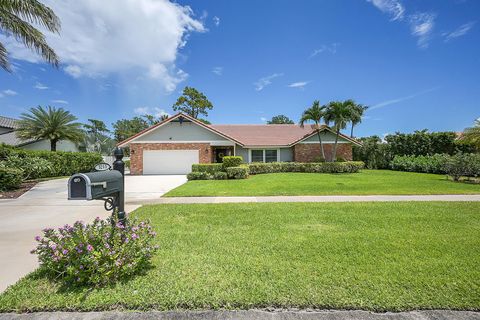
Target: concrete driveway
46, 205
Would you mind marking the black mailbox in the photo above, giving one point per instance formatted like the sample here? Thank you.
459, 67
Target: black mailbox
94, 185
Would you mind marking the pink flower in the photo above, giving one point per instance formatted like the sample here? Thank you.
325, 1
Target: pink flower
89, 247
37, 238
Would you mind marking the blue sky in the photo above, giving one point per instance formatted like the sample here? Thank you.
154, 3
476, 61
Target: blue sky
415, 63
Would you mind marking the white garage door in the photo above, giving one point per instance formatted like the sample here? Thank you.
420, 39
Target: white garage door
169, 161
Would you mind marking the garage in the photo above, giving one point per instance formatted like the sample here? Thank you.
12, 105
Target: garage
169, 161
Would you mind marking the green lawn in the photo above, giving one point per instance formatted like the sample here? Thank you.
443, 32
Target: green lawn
374, 256
302, 184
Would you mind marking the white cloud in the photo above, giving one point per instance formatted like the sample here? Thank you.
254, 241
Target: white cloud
218, 71
261, 83
40, 86
73, 70
8, 92
60, 101
157, 112
421, 26
300, 84
397, 100
332, 48
263, 119
421, 23
119, 37
460, 31
216, 21
394, 8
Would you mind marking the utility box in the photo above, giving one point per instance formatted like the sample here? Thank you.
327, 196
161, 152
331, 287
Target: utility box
95, 185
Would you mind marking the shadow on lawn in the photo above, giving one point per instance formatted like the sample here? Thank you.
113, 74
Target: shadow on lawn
84, 289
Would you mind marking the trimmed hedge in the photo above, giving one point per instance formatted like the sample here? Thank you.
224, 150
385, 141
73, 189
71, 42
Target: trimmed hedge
220, 175
311, 167
63, 163
238, 172
456, 166
199, 176
232, 161
10, 178
32, 167
210, 168
426, 164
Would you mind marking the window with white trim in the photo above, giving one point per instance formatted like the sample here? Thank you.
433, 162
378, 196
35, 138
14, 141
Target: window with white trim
257, 155
264, 155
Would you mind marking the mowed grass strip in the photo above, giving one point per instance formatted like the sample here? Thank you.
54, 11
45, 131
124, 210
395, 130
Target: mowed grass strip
366, 182
373, 256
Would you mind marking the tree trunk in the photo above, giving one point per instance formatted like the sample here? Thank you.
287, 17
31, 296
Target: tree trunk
53, 145
321, 144
351, 132
335, 146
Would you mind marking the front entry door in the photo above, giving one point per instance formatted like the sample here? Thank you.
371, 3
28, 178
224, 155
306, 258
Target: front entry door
219, 154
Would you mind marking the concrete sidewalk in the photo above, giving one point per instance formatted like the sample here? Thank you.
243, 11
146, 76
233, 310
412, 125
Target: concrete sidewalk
248, 315
379, 198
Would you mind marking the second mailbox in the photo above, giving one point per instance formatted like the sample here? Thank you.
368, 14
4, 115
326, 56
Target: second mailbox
94, 185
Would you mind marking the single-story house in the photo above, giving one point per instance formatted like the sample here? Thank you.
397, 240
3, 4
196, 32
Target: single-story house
8, 136
173, 145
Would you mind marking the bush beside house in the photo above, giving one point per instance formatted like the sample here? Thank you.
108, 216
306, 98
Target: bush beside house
43, 164
232, 168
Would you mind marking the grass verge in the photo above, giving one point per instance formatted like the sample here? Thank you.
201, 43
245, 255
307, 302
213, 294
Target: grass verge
374, 256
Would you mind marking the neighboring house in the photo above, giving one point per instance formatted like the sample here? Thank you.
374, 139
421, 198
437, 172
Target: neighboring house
8, 136
173, 145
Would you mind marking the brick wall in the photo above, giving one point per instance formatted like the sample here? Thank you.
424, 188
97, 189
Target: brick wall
307, 152
136, 152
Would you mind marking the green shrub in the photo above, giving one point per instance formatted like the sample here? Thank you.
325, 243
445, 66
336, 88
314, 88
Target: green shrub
220, 175
232, 161
95, 254
32, 167
426, 164
62, 163
199, 176
210, 168
240, 172
318, 159
311, 167
10, 178
463, 165
127, 163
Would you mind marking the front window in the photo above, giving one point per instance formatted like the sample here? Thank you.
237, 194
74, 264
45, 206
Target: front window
264, 155
257, 155
270, 155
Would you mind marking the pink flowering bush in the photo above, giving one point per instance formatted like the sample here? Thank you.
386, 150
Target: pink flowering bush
95, 254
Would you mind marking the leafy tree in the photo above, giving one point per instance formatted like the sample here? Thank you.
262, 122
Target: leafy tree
315, 114
340, 113
356, 117
280, 119
51, 124
204, 121
125, 128
472, 135
193, 103
96, 137
17, 17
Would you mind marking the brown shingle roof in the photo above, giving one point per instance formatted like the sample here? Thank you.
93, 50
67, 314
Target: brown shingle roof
265, 134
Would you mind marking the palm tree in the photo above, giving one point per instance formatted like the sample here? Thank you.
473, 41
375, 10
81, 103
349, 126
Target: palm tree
340, 113
357, 114
315, 113
51, 124
472, 134
16, 18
